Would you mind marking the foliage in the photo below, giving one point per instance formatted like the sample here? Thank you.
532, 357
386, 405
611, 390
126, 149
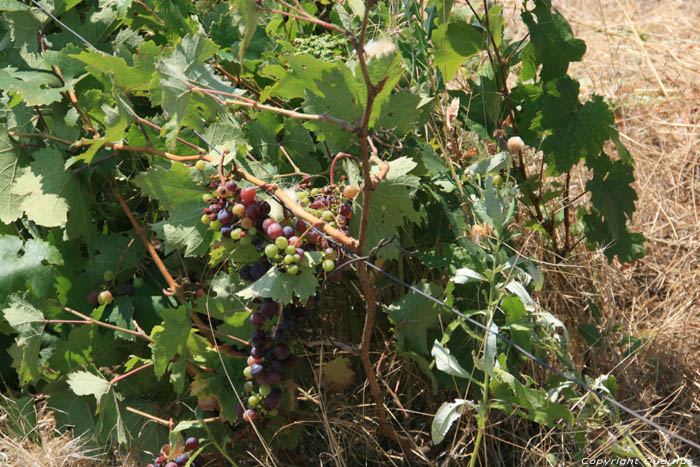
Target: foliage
127, 128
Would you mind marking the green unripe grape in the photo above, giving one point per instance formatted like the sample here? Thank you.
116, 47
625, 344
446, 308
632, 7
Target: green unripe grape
288, 259
236, 234
215, 225
105, 297
290, 250
327, 216
293, 269
281, 242
265, 390
206, 197
253, 401
302, 195
246, 372
248, 386
271, 251
252, 231
297, 257
200, 165
497, 180
108, 275
328, 265
315, 191
205, 219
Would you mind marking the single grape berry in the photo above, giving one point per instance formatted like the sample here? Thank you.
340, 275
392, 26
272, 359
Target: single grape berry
171, 464
271, 251
256, 369
274, 230
281, 242
221, 191
92, 297
231, 186
206, 197
252, 211
224, 217
258, 319
205, 219
240, 410
182, 459
350, 191
200, 165
346, 210
192, 443
265, 390
248, 195
328, 265
293, 270
249, 415
238, 210
105, 297
247, 372
288, 231
246, 223
226, 231
253, 401
248, 386
108, 275
269, 309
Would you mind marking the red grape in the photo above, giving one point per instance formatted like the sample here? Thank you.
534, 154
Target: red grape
274, 230
248, 195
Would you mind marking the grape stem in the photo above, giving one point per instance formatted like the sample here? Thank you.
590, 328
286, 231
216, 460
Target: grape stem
339, 156
129, 373
89, 320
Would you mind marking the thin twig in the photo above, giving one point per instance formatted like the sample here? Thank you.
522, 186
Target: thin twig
89, 320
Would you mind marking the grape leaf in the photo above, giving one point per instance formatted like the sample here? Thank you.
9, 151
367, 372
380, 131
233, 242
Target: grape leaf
576, 130
28, 265
170, 338
170, 184
29, 324
49, 192
184, 229
84, 383
278, 285
391, 206
554, 44
446, 58
9, 170
125, 77
116, 252
339, 94
412, 316
35, 87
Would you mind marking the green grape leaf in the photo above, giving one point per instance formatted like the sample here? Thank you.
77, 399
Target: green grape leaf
84, 383
250, 14
170, 338
400, 112
339, 94
10, 167
115, 252
124, 77
28, 265
29, 324
445, 57
412, 316
170, 184
35, 87
184, 229
218, 386
627, 246
554, 44
577, 130
49, 192
391, 206
72, 413
279, 285
303, 74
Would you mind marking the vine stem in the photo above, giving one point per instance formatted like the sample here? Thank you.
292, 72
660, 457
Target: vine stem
164, 422
90, 320
173, 287
337, 157
129, 373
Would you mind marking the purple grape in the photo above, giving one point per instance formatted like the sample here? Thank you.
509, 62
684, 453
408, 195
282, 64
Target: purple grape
267, 223
256, 369
92, 297
273, 377
192, 443
257, 352
258, 337
252, 211
225, 217
274, 230
171, 464
214, 208
269, 309
259, 270
182, 459
264, 207
245, 273
258, 319
272, 401
231, 186
281, 351
226, 231
288, 231
346, 210
300, 225
239, 410
313, 237
261, 378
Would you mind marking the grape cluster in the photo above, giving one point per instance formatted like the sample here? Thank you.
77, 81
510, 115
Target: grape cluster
105, 297
191, 444
270, 357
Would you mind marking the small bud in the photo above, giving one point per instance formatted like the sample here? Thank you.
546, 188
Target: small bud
515, 144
